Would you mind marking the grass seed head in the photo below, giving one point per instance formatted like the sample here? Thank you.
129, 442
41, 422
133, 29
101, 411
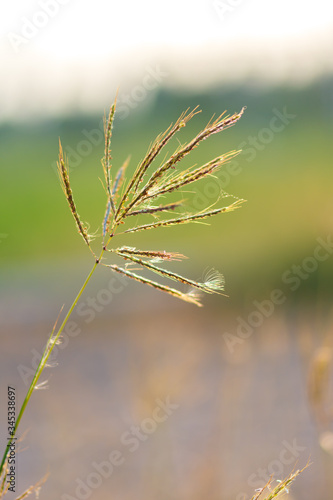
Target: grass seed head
137, 198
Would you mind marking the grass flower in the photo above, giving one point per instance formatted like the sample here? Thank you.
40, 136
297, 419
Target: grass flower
142, 195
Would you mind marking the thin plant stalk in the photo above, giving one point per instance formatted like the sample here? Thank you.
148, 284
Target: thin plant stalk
52, 341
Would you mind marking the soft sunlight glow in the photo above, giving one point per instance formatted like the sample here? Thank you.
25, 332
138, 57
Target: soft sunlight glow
79, 52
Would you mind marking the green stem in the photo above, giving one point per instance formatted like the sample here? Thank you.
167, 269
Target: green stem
46, 354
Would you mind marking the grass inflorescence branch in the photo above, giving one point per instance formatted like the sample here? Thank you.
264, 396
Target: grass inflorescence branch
205, 287
65, 182
187, 218
187, 297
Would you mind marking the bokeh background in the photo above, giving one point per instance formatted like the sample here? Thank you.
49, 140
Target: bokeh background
247, 401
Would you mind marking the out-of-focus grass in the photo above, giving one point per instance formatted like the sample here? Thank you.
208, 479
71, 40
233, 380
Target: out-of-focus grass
288, 186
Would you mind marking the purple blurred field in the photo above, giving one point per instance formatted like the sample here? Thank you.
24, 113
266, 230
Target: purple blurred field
239, 415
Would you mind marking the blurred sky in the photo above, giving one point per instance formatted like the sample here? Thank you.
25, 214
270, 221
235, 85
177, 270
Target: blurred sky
67, 55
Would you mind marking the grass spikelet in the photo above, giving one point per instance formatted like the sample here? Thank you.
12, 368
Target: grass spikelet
107, 151
149, 254
114, 191
120, 177
64, 177
171, 291
154, 210
186, 219
106, 162
106, 220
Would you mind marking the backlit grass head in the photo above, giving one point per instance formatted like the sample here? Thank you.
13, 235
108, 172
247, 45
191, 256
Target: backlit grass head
145, 194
